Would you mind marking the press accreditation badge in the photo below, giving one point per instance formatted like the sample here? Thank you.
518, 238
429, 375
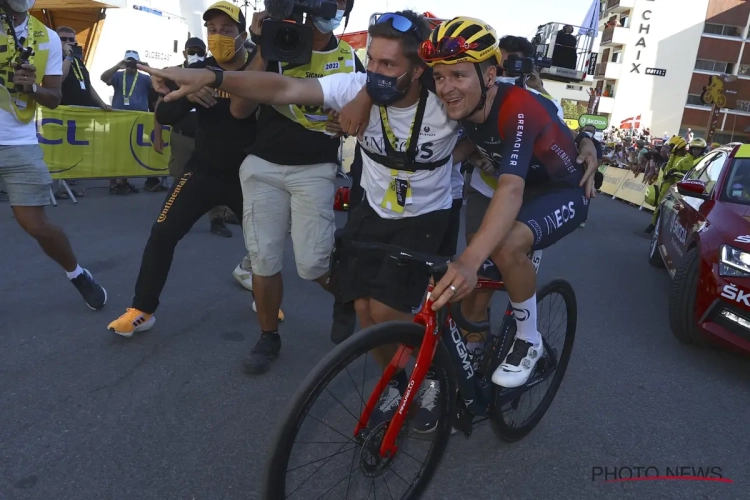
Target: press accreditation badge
83, 85
126, 101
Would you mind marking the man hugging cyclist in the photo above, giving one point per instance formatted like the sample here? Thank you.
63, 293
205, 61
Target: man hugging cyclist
409, 144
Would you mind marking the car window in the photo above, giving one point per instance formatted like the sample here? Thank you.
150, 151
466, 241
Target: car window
697, 171
712, 170
737, 186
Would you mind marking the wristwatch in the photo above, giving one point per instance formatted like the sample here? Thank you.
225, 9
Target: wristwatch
219, 78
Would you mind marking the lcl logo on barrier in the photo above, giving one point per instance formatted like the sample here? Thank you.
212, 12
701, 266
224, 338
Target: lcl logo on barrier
71, 135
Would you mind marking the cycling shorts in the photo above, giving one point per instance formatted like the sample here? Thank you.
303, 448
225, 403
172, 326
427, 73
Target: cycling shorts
551, 212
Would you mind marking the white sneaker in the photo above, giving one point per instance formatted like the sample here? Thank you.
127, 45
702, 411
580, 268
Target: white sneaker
245, 278
518, 365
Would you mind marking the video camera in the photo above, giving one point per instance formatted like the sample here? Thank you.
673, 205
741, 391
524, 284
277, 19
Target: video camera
24, 53
518, 66
285, 38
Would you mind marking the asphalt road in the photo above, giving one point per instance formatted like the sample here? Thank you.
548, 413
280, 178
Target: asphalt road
87, 415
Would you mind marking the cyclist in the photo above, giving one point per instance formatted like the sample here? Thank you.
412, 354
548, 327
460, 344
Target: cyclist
540, 195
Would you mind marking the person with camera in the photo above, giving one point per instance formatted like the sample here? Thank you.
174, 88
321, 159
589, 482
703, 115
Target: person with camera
288, 177
76, 82
211, 174
30, 76
131, 94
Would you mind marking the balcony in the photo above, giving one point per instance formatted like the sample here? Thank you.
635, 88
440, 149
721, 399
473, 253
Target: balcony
606, 105
608, 70
616, 35
618, 6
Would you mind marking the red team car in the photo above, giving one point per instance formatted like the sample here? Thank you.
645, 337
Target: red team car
702, 237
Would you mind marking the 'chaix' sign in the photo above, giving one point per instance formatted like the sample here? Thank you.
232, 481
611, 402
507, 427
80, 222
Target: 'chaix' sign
643, 31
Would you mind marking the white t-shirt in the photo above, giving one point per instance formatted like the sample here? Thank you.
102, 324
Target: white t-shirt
431, 190
15, 133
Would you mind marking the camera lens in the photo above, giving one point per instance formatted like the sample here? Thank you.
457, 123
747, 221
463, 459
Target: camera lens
286, 39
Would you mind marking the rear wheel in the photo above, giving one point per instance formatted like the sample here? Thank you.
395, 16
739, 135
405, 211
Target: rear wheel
508, 421
331, 400
654, 257
682, 300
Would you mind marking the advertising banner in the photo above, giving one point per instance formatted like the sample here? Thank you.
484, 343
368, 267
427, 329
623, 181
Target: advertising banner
613, 177
633, 190
90, 143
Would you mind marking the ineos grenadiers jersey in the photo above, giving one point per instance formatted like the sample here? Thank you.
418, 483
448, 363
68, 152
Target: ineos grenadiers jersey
524, 136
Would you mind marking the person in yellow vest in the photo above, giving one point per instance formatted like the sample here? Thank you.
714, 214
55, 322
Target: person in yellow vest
677, 166
697, 149
29, 79
288, 179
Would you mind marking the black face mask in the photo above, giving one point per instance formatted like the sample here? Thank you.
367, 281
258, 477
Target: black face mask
383, 90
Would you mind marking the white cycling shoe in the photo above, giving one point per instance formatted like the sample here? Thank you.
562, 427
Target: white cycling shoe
519, 364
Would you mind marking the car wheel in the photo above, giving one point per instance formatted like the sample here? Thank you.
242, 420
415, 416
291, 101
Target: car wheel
654, 257
682, 300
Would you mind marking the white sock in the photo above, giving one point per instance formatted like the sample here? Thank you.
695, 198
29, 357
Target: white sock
75, 273
525, 313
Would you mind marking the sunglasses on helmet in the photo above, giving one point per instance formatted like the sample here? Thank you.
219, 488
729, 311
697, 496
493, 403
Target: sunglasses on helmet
445, 48
399, 22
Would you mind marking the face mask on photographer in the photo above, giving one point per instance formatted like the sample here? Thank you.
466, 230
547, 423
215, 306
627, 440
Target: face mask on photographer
222, 47
20, 5
194, 58
383, 90
328, 25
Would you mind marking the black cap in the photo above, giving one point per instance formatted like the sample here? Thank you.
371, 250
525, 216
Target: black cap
195, 43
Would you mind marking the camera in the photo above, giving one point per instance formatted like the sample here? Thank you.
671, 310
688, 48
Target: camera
131, 64
77, 51
518, 66
285, 38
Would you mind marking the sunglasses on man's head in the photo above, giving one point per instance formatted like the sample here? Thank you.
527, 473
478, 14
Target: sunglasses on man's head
196, 52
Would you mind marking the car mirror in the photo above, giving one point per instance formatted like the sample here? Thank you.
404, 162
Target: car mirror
693, 188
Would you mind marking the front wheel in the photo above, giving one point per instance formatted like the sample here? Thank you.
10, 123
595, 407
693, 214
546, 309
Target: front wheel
507, 419
682, 295
326, 408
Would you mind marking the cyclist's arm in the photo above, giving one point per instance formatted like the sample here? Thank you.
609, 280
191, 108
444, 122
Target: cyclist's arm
463, 150
521, 132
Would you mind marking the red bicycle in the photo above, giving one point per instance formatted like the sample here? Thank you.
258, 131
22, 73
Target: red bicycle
359, 459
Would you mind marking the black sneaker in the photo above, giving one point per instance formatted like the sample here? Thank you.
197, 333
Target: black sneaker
92, 292
118, 189
219, 229
344, 322
266, 350
426, 418
649, 229
131, 188
389, 401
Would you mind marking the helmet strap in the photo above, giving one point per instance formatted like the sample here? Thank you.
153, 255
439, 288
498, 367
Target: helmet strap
483, 98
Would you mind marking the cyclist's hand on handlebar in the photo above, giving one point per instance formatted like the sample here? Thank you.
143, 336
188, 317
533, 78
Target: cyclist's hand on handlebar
457, 283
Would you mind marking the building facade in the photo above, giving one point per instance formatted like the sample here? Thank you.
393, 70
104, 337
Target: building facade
656, 56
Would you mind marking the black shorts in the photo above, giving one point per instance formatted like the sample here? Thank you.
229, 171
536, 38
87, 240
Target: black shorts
449, 245
551, 212
374, 274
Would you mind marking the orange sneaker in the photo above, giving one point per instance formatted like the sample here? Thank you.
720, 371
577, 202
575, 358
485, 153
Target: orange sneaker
132, 321
281, 313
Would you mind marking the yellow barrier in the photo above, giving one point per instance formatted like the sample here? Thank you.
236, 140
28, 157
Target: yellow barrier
633, 190
613, 177
89, 143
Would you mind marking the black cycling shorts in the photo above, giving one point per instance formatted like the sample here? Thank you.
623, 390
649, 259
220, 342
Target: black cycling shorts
373, 274
551, 212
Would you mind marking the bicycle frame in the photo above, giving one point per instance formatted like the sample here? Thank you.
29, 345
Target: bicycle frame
476, 394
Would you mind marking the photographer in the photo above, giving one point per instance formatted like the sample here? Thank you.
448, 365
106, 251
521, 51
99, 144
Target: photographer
76, 82
289, 178
131, 94
30, 74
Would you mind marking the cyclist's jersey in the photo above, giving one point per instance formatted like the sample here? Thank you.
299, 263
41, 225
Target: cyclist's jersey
524, 136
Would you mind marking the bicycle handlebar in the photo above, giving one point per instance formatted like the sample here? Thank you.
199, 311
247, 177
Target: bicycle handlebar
438, 267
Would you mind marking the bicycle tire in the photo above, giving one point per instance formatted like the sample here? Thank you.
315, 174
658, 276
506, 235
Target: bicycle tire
394, 332
509, 433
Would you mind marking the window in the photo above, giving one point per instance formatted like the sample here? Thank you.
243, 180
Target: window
716, 66
695, 100
708, 169
617, 57
743, 106
744, 70
574, 87
722, 29
737, 185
